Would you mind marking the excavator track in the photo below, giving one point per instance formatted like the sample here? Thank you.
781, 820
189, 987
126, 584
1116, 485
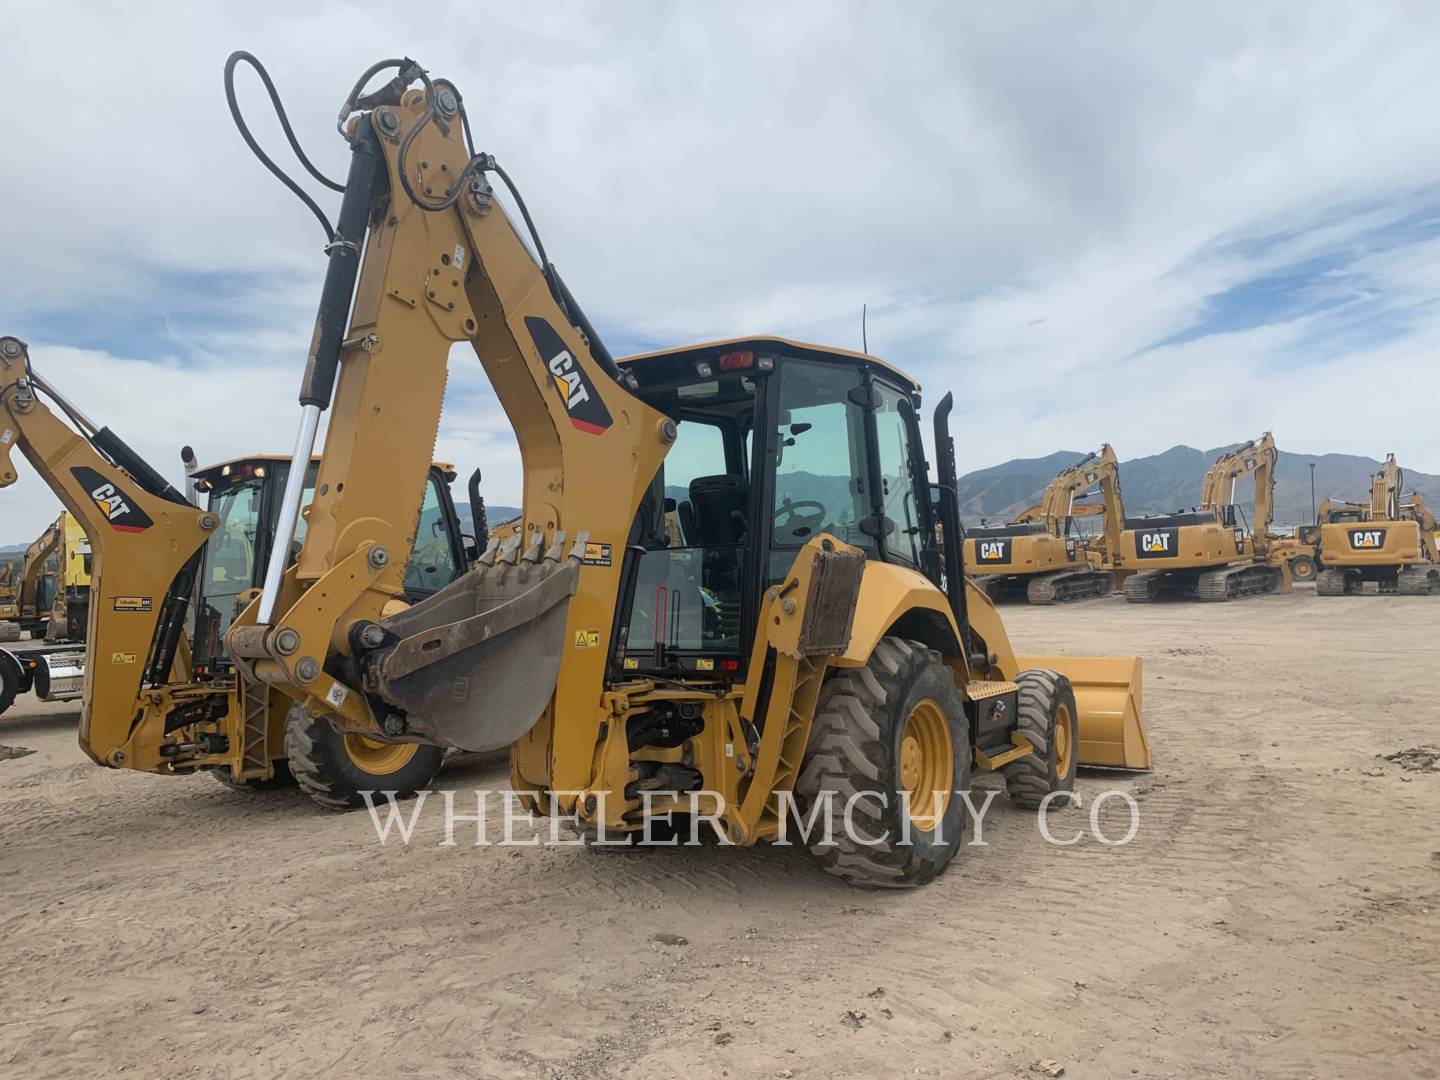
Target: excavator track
1069, 585
1236, 582
1143, 587
1418, 581
1333, 582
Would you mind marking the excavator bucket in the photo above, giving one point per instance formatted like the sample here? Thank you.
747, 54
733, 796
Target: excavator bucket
1107, 695
475, 665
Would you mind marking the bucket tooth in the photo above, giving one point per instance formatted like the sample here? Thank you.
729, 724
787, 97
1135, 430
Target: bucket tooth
556, 551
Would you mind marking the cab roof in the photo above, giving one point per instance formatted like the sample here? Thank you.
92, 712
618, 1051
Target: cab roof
786, 346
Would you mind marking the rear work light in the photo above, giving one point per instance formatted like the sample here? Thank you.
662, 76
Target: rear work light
736, 361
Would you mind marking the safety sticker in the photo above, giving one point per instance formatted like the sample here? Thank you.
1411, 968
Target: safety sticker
132, 603
122, 658
704, 664
587, 639
7, 437
632, 664
596, 555
336, 695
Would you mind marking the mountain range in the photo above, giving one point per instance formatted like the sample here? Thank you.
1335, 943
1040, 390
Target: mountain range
1151, 485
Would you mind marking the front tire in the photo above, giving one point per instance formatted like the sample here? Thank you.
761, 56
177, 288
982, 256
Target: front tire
1049, 720
1303, 568
890, 742
334, 768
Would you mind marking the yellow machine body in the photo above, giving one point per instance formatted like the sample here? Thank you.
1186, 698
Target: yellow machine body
545, 600
1042, 552
1389, 540
1209, 552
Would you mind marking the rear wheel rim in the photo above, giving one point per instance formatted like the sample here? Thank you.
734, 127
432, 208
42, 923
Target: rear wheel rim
379, 758
1064, 741
927, 764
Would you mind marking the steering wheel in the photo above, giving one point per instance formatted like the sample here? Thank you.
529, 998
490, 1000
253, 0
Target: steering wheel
799, 518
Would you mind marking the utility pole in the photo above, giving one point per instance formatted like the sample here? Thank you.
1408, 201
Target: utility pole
1314, 514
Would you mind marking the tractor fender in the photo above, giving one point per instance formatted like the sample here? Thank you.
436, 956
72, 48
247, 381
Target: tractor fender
899, 601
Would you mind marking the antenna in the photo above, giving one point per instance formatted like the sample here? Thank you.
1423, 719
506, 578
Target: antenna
864, 337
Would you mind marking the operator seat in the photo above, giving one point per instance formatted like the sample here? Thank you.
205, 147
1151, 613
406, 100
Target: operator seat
717, 509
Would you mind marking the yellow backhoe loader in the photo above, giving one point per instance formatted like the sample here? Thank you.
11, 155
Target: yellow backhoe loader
1389, 541
1210, 553
161, 597
809, 637
1041, 553
32, 595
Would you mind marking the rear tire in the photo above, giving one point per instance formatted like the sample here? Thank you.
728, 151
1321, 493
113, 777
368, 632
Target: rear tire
333, 768
1303, 568
897, 724
1049, 719
280, 779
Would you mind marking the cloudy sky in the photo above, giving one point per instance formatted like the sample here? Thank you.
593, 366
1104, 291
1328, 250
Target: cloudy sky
1142, 224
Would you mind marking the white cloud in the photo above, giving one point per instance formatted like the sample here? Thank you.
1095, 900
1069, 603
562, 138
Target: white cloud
1029, 200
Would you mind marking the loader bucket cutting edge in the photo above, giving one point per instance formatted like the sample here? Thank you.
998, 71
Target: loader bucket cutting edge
1108, 694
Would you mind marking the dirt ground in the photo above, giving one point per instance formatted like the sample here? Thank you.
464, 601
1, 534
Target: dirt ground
1277, 915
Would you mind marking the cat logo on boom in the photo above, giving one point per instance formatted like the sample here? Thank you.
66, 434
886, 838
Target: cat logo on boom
582, 401
1367, 539
119, 508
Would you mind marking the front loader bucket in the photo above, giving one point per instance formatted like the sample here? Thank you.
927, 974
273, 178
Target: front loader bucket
1107, 694
476, 664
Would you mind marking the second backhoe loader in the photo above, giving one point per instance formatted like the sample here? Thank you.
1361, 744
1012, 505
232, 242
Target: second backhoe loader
1209, 553
1041, 553
810, 642
32, 593
166, 579
1389, 541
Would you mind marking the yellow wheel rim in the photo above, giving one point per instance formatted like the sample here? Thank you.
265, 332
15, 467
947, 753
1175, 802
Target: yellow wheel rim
927, 764
1304, 571
1064, 741
379, 758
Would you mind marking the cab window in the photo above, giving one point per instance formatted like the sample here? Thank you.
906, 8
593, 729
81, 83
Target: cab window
894, 447
432, 559
820, 468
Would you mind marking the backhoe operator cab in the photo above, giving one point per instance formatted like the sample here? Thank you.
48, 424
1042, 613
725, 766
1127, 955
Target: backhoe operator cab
244, 494
837, 452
